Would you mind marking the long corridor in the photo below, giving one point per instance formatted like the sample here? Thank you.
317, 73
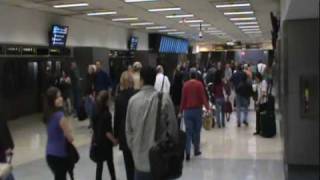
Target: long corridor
227, 154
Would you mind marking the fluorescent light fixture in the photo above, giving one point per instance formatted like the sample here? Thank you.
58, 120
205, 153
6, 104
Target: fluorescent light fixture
213, 31
211, 28
218, 34
126, 19
165, 9
248, 27
243, 19
198, 25
192, 21
238, 13
168, 30
233, 5
246, 23
101, 13
71, 5
180, 16
132, 1
142, 24
244, 30
253, 32
156, 27
176, 33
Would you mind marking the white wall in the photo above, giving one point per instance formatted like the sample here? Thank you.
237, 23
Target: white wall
26, 26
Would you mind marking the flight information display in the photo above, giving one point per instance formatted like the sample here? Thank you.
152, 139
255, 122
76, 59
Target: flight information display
58, 35
173, 45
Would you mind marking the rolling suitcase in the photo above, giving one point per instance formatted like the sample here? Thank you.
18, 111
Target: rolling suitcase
268, 124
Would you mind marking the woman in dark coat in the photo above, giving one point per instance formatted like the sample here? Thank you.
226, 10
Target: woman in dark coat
103, 136
121, 104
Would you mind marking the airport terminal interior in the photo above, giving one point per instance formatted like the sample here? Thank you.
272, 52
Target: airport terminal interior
81, 83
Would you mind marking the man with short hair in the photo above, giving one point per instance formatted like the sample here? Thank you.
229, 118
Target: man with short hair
162, 79
141, 122
193, 98
103, 81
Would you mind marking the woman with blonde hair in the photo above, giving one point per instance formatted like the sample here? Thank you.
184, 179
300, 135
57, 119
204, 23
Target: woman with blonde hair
121, 104
136, 75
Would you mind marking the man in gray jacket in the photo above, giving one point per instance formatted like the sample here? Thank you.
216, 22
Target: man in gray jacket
141, 122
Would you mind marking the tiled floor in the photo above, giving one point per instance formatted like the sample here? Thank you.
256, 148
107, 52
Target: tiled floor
228, 154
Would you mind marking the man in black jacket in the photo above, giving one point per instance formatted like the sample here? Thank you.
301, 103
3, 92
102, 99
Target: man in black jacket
244, 91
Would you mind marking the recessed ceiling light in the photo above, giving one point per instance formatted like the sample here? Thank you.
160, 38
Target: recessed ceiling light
176, 33
142, 24
168, 30
180, 16
101, 13
257, 29
243, 19
191, 21
126, 19
164, 9
71, 5
233, 5
248, 27
131, 1
238, 13
245, 23
156, 27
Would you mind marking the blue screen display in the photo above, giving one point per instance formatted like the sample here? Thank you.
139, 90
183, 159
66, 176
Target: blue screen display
58, 35
173, 45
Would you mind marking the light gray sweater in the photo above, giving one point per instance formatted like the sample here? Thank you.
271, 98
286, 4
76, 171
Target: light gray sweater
141, 124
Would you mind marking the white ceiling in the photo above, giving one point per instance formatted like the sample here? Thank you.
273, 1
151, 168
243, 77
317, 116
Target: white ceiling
202, 9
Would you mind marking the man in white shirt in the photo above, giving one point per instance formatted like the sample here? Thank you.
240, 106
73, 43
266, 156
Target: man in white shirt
159, 81
261, 67
262, 88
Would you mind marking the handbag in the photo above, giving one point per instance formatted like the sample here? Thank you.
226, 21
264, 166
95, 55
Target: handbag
167, 155
73, 158
93, 150
207, 121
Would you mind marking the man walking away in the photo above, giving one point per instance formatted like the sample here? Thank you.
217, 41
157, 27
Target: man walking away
162, 79
193, 98
141, 122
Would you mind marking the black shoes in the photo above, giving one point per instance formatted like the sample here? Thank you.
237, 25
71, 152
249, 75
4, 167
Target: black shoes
197, 153
256, 133
188, 157
246, 123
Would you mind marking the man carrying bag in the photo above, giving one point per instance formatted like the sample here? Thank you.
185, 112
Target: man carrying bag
149, 133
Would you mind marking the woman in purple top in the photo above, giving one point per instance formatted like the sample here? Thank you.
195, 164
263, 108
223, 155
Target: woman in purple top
58, 134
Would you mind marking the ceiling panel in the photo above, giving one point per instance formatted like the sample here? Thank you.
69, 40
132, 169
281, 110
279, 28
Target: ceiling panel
202, 9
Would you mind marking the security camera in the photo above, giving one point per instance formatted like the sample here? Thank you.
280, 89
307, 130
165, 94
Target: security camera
200, 35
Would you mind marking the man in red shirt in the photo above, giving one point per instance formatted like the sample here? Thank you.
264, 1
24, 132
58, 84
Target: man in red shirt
193, 98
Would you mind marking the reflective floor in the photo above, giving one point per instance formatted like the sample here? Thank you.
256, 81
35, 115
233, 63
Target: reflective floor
228, 154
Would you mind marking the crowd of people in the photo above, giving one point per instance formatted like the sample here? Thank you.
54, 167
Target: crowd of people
132, 126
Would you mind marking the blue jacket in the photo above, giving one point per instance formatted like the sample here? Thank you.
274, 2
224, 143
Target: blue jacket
103, 81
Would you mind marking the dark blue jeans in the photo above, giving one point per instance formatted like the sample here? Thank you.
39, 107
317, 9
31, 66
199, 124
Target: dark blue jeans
142, 175
220, 112
193, 122
242, 108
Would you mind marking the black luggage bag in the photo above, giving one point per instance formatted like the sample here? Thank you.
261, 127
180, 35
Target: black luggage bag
268, 124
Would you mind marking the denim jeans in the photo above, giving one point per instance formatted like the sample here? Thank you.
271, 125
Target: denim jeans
193, 122
220, 112
142, 175
242, 104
